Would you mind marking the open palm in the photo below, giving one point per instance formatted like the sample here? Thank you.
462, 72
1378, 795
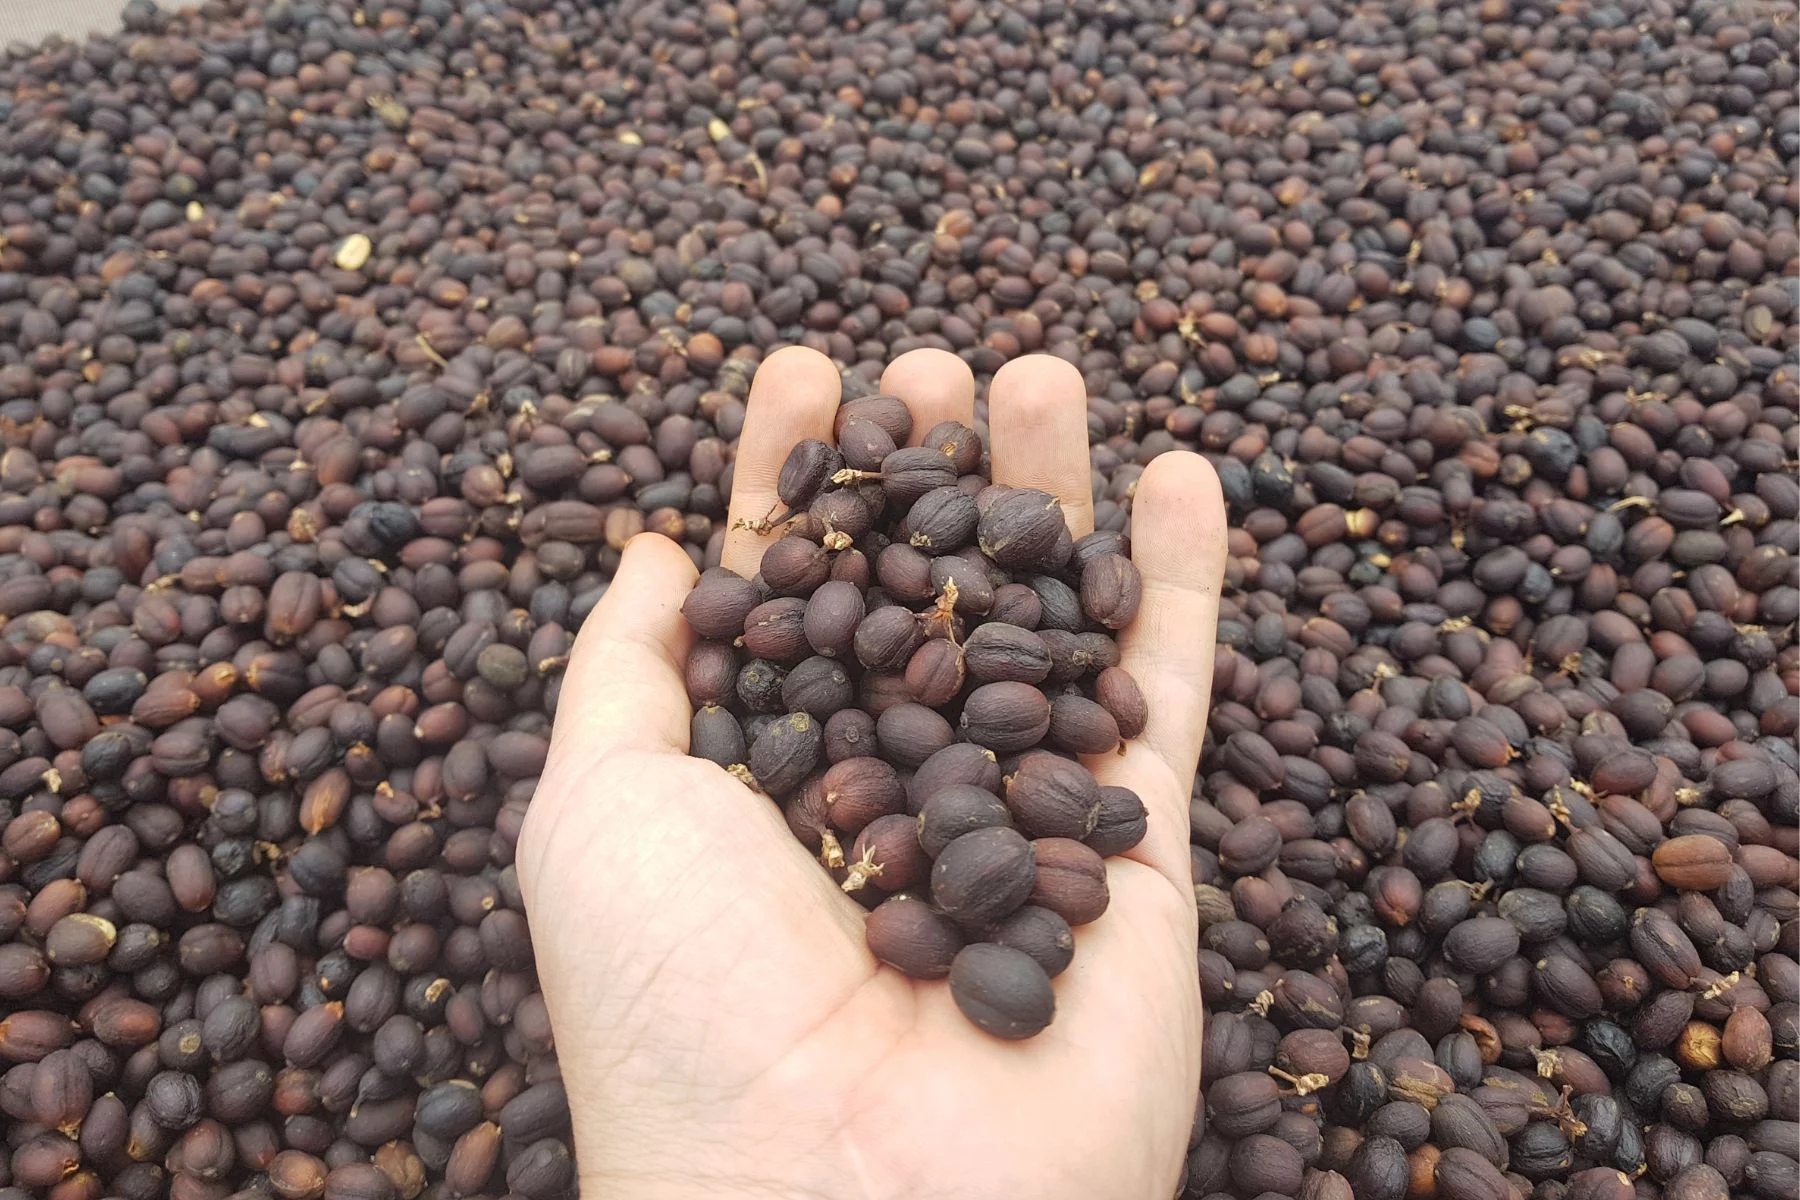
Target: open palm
722, 1028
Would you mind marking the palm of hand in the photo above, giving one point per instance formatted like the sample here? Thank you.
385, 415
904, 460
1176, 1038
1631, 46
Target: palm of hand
721, 1024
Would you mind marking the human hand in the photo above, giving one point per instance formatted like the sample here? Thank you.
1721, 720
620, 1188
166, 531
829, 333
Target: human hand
723, 1029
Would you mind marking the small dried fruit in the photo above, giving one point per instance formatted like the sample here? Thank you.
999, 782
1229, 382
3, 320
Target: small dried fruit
1001, 990
983, 876
1051, 796
785, 752
1694, 860
1042, 934
908, 935
1110, 590
720, 601
887, 855
1117, 692
1006, 717
1070, 880
1020, 527
955, 809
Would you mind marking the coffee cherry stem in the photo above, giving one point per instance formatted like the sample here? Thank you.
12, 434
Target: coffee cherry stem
943, 612
1303, 1085
861, 871
1720, 986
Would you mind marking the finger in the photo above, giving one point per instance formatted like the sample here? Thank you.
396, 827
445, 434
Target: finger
936, 385
1037, 428
1178, 545
794, 397
623, 687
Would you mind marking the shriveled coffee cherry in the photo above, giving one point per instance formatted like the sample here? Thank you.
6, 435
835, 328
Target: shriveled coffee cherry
956, 442
808, 813
995, 652
1120, 822
908, 473
962, 586
837, 519
793, 566
817, 685
982, 876
909, 935
934, 674
887, 855
1081, 726
711, 672
888, 413
954, 810
959, 762
786, 752
809, 466
716, 735
1006, 717
1110, 590
720, 601
849, 733
759, 686
1051, 796
772, 630
1002, 991
859, 790
833, 613
864, 444
1117, 692
942, 520
1019, 529
1070, 881
908, 734
1042, 934
905, 574
886, 638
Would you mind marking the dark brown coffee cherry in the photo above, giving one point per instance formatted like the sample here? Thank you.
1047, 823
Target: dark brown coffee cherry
1120, 823
887, 413
1042, 934
833, 613
859, 790
1117, 692
959, 762
794, 566
956, 809
720, 601
786, 752
994, 652
1110, 590
1070, 881
1080, 726
982, 876
886, 638
956, 442
716, 735
1006, 717
909, 935
887, 855
934, 674
940, 521
1002, 991
1020, 528
1051, 796
809, 467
